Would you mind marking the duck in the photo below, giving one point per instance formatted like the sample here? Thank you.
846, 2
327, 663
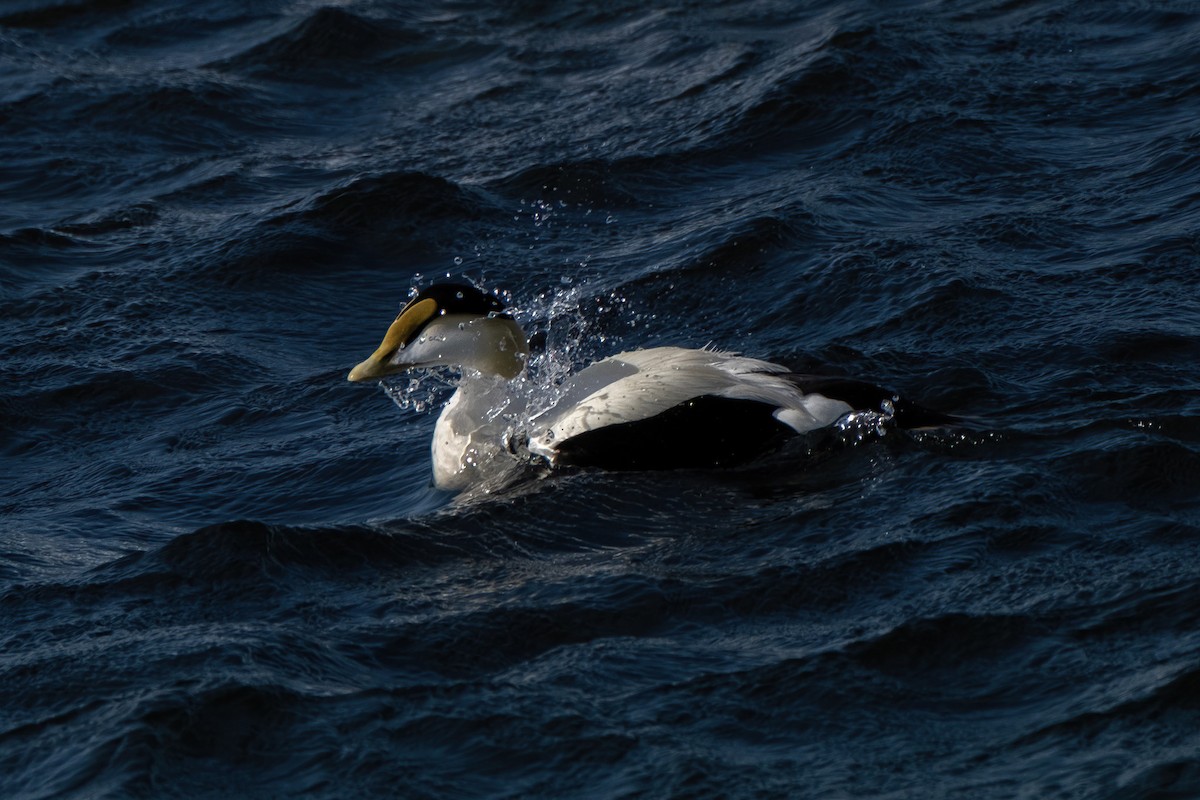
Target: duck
656, 408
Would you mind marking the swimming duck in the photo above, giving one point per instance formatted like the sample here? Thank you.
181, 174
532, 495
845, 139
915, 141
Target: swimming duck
657, 408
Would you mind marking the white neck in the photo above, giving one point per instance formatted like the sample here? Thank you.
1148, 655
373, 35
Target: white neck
473, 429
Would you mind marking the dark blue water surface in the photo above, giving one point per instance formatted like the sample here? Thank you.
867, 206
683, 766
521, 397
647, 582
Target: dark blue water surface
224, 571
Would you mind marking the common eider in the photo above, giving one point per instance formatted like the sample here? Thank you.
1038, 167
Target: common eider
657, 408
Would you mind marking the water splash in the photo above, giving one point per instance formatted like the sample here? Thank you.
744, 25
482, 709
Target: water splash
861, 426
420, 390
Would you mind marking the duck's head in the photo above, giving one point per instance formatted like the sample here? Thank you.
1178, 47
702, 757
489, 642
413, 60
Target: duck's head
449, 324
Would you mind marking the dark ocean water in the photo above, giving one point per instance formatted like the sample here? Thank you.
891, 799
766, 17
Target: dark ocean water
224, 571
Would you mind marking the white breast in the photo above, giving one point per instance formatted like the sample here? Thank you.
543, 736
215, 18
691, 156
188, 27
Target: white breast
472, 431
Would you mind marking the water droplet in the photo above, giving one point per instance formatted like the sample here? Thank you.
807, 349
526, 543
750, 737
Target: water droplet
457, 260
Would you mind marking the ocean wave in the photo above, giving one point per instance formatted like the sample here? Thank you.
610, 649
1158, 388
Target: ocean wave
238, 551
54, 15
1148, 475
199, 117
820, 104
326, 43
593, 183
1158, 694
407, 202
252, 560
371, 216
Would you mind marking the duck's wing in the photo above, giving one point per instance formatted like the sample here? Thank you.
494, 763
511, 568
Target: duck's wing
676, 393
670, 407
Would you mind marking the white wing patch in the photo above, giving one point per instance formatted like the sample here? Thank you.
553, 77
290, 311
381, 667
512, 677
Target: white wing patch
644, 383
